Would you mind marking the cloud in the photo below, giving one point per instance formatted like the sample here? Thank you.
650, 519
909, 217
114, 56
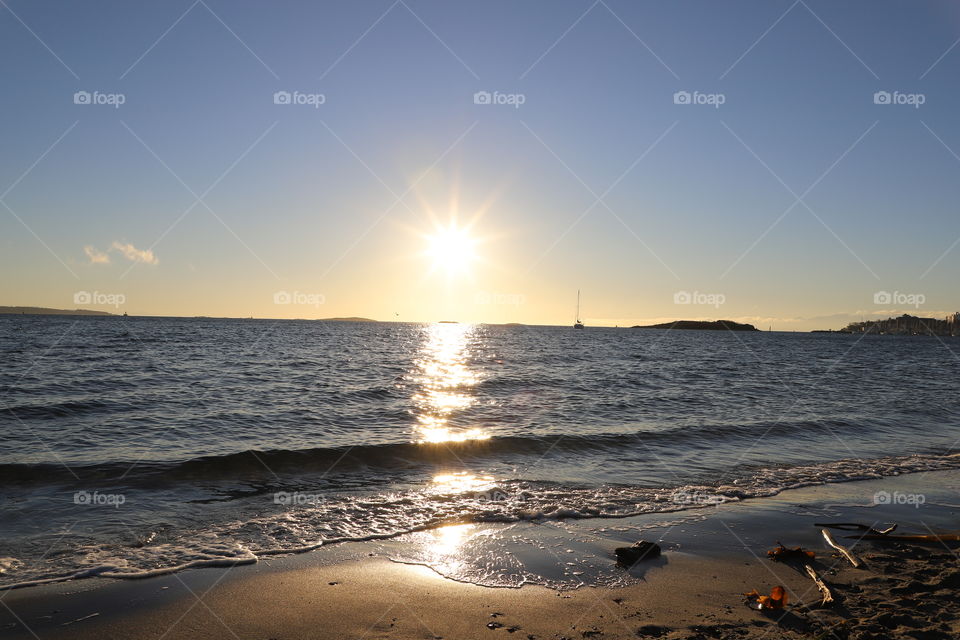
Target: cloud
133, 254
96, 257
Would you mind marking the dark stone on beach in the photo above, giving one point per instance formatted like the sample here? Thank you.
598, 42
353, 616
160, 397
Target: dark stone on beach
641, 550
652, 631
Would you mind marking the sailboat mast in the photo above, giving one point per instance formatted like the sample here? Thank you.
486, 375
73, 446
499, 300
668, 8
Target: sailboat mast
576, 323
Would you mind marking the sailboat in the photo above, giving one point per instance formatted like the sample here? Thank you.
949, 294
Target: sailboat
577, 323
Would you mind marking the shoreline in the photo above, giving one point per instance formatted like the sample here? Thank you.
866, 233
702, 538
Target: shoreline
711, 556
688, 503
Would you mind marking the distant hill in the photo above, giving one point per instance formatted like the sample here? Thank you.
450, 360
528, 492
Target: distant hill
44, 311
907, 325
716, 325
346, 320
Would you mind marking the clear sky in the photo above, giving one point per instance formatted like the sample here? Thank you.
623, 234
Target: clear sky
781, 194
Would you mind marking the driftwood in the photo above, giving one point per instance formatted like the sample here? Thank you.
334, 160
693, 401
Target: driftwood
827, 597
854, 526
944, 537
843, 550
869, 533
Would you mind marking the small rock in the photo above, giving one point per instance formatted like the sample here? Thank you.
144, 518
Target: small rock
641, 550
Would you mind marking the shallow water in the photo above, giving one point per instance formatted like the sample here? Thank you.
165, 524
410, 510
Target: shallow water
130, 445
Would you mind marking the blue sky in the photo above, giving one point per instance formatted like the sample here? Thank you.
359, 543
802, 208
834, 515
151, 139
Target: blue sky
304, 200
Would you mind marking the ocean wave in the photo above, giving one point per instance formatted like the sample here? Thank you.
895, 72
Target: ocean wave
333, 518
405, 456
59, 409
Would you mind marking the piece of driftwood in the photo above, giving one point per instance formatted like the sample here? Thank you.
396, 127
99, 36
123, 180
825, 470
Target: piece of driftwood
854, 526
839, 547
827, 597
943, 537
869, 533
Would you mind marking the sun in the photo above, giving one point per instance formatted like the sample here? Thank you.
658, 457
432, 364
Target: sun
452, 249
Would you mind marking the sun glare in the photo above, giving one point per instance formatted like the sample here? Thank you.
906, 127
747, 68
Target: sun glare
451, 249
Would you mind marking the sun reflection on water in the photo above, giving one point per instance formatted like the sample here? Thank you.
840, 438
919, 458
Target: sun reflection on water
461, 482
444, 380
447, 541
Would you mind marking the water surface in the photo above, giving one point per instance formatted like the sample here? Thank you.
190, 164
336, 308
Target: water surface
130, 445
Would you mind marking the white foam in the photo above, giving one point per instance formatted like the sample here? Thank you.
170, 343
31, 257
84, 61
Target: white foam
342, 519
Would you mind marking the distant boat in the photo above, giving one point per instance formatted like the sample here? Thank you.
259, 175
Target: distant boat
577, 324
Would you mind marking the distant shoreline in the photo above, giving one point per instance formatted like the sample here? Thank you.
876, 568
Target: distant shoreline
727, 325
905, 325
46, 311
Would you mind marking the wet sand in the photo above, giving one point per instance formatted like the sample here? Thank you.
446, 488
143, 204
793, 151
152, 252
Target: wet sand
904, 590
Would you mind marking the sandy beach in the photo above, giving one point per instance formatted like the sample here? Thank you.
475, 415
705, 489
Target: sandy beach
902, 590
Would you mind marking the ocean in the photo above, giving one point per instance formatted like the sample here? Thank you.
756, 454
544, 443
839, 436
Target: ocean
135, 446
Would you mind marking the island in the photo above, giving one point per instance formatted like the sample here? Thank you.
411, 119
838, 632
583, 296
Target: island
45, 311
701, 325
906, 325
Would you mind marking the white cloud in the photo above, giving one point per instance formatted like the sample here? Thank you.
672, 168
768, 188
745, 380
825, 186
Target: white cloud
133, 254
96, 257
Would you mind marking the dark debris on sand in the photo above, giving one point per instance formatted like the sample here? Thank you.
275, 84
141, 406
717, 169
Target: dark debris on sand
907, 592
